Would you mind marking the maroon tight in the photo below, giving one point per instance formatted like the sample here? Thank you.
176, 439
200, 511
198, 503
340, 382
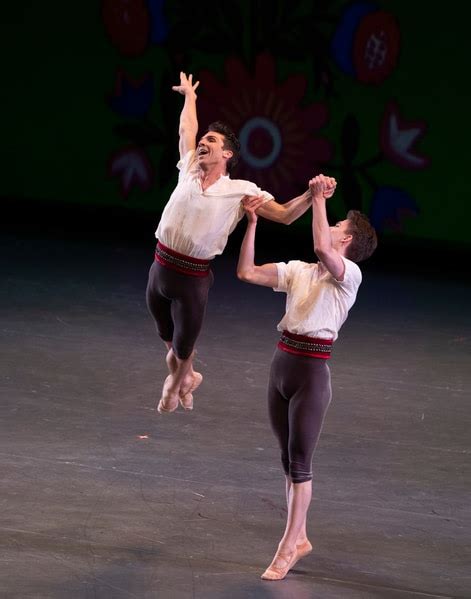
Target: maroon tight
299, 393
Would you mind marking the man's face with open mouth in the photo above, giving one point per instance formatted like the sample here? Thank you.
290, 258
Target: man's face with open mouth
210, 149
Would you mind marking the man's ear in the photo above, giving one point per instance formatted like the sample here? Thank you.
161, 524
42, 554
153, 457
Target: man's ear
347, 238
228, 154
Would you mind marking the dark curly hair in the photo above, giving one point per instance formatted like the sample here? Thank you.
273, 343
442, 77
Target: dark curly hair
364, 239
230, 142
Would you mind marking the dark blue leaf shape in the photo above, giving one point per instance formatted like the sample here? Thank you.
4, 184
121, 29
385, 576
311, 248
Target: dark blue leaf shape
133, 99
390, 206
159, 25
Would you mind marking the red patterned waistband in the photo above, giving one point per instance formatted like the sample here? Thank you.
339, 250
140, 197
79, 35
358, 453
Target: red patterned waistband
313, 347
181, 263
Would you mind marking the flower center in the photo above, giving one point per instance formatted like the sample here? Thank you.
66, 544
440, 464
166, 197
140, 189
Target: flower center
260, 142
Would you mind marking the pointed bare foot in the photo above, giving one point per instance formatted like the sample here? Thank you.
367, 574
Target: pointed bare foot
186, 401
169, 400
303, 549
191, 382
280, 566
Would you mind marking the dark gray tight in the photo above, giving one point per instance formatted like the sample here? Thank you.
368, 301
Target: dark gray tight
178, 304
299, 394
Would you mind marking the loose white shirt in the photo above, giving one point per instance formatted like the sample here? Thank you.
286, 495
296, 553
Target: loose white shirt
316, 304
198, 223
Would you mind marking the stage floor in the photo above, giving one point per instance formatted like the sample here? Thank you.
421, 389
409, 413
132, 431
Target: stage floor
104, 498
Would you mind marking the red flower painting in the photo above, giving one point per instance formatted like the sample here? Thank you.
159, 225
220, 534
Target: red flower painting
280, 145
127, 23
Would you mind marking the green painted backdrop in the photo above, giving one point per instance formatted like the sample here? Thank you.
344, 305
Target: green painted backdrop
375, 93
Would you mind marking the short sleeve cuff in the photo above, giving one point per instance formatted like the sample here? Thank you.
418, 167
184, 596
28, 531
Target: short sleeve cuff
282, 269
184, 163
352, 275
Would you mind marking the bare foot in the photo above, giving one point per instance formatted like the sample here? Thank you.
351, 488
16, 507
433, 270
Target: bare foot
169, 400
191, 382
303, 548
186, 401
280, 566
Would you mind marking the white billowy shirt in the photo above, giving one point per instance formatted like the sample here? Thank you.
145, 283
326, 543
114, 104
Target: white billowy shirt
197, 223
316, 304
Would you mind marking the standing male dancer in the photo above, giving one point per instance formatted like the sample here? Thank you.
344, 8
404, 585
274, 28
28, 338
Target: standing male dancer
319, 297
202, 211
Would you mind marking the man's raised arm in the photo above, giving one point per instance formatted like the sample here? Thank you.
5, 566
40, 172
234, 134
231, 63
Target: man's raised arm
267, 274
188, 118
321, 234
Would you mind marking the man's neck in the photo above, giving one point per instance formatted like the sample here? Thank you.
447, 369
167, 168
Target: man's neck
212, 174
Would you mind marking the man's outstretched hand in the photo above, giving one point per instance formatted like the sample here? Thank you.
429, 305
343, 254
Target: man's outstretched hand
186, 85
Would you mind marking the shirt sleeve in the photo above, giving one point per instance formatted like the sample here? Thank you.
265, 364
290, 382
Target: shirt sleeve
250, 189
352, 277
185, 164
285, 274
254, 190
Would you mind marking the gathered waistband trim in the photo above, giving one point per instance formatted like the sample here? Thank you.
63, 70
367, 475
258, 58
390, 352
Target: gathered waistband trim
313, 347
184, 264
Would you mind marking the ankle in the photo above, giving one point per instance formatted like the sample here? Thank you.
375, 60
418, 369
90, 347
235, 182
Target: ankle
302, 540
171, 361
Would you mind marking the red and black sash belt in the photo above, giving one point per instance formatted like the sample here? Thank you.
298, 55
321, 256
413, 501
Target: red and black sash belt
181, 263
313, 347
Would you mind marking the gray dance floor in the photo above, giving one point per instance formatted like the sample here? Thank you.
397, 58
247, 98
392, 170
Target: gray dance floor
101, 497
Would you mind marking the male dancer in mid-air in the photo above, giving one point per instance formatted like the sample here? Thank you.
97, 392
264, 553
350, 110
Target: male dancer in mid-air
201, 213
319, 297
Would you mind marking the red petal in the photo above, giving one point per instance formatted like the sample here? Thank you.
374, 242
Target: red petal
315, 116
265, 72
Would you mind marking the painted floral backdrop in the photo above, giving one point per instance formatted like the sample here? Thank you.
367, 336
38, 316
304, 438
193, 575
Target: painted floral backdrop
353, 89
275, 72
